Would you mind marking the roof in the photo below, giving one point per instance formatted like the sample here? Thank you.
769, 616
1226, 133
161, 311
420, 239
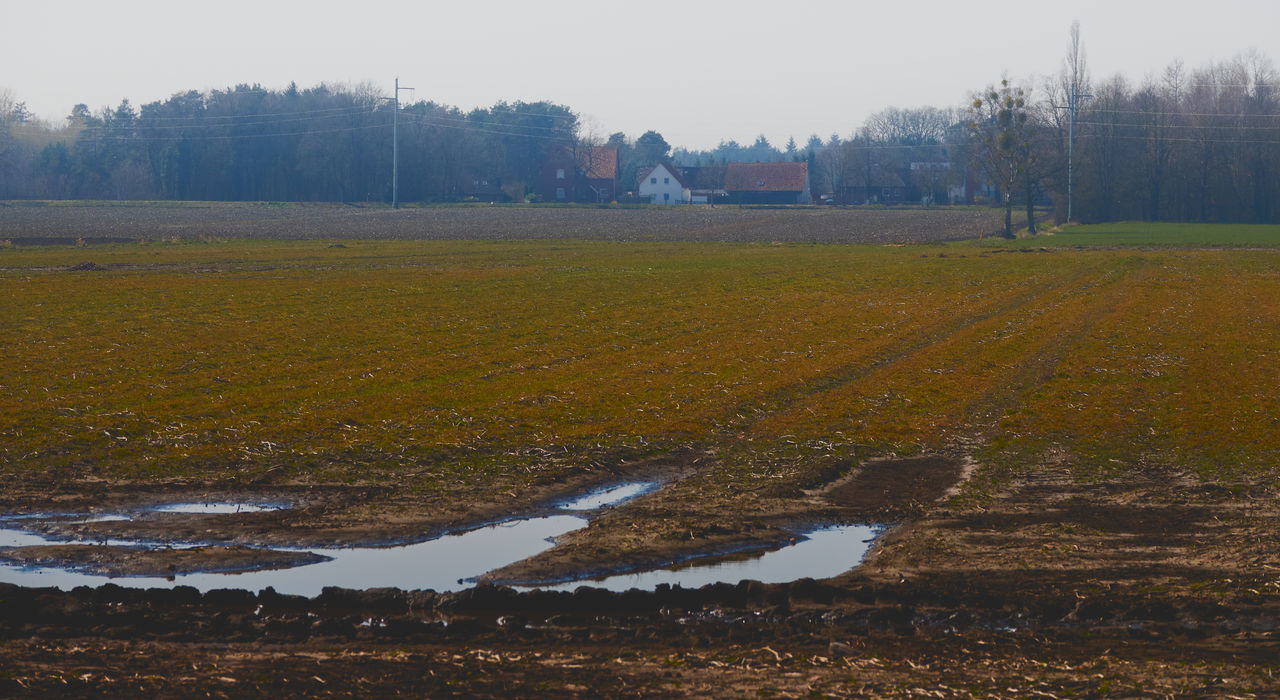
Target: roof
599, 162
675, 172
766, 177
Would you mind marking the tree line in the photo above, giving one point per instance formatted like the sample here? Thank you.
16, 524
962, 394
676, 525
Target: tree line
248, 143
1198, 144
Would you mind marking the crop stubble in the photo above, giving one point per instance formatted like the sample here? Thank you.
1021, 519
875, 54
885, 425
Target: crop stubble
1119, 405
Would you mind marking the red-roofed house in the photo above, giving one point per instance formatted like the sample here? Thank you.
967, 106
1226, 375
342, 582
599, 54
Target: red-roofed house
584, 174
767, 183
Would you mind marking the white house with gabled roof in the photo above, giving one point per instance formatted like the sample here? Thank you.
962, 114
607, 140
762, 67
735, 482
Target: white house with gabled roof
663, 184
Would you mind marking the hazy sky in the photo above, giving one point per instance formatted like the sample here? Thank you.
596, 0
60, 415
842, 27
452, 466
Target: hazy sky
697, 71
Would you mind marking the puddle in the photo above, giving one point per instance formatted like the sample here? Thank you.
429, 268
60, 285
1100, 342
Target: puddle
443, 564
448, 563
192, 508
611, 496
823, 553
216, 508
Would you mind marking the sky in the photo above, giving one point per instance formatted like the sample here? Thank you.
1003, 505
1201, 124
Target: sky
697, 71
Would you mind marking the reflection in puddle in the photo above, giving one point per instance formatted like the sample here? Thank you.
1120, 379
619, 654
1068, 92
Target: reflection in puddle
193, 508
442, 564
451, 562
19, 538
611, 496
821, 554
216, 508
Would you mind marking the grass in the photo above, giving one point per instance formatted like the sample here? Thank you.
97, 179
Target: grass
460, 360
1151, 235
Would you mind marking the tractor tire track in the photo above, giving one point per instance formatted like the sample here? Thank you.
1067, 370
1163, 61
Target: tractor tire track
759, 409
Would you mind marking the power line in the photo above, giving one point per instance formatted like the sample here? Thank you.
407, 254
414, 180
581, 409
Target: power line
1176, 113
143, 125
215, 117
1219, 127
1172, 139
99, 136
482, 128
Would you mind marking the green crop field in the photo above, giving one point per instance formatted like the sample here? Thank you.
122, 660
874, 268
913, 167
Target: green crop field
1151, 234
436, 364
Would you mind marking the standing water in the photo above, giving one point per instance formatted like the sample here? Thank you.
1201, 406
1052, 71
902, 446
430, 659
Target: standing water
447, 563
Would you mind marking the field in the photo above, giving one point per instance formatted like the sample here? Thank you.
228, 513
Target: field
1077, 438
69, 222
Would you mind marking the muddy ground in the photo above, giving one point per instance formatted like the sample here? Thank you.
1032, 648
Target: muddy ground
1155, 586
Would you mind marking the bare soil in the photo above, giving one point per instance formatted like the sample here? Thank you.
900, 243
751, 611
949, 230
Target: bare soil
112, 560
1148, 582
1165, 586
64, 223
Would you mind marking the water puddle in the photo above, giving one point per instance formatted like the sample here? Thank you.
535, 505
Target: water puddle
448, 563
822, 553
610, 497
218, 508
192, 508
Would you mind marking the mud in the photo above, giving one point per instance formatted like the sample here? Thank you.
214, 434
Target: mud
892, 489
134, 561
1154, 585
877, 492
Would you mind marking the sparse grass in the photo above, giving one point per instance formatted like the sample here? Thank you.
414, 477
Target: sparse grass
1141, 234
459, 361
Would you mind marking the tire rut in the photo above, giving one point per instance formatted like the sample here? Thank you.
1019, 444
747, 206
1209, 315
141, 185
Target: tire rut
789, 396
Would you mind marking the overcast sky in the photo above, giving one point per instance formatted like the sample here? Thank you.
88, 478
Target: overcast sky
697, 71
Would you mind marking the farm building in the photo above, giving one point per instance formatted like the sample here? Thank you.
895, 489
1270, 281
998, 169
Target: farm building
663, 184
767, 183
584, 174
883, 188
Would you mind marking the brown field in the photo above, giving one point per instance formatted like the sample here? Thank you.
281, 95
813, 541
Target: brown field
67, 222
1078, 446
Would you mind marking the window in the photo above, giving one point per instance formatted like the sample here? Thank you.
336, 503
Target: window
666, 196
559, 173
666, 181
559, 193
653, 181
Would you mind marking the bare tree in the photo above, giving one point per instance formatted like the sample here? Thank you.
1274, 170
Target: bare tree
909, 127
832, 167
1064, 99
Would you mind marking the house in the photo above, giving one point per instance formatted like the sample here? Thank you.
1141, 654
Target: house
663, 184
884, 188
767, 183
581, 174
475, 184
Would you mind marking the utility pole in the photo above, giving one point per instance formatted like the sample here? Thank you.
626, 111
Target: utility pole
1075, 59
395, 147
1073, 103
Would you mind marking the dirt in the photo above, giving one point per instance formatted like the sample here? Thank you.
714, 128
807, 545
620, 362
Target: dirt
37, 223
890, 489
111, 560
1154, 586
316, 515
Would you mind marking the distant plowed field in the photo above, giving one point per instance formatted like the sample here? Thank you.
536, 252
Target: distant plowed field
66, 222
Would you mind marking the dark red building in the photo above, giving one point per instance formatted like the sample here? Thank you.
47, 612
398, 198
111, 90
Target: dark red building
582, 174
767, 183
